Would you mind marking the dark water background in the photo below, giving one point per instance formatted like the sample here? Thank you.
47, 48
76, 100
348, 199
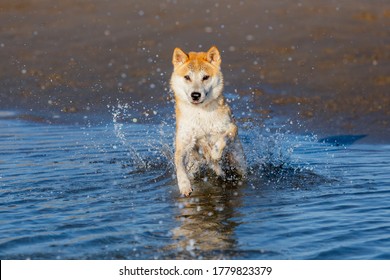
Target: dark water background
108, 191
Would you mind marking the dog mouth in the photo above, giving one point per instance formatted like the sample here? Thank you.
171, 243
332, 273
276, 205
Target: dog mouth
196, 102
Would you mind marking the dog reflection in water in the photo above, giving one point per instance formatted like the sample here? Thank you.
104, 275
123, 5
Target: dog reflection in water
206, 227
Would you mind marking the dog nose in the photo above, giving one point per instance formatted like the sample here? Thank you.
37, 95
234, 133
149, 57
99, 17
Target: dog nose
195, 96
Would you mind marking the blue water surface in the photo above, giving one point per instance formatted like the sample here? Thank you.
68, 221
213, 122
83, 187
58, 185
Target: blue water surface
108, 191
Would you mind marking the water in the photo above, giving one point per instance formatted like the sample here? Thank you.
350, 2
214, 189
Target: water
108, 191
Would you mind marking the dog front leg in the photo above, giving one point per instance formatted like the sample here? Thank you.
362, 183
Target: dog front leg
221, 143
183, 181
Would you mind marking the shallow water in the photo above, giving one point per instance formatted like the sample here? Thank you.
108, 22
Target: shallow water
108, 191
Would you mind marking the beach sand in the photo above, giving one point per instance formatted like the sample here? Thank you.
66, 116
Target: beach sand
323, 66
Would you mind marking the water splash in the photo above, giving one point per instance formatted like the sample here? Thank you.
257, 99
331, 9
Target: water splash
122, 112
157, 151
278, 158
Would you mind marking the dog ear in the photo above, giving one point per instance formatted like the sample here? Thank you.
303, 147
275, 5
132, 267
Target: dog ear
179, 57
213, 56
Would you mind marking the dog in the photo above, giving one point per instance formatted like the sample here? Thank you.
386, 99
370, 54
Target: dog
206, 133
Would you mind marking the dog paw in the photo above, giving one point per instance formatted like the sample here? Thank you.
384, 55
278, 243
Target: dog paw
185, 187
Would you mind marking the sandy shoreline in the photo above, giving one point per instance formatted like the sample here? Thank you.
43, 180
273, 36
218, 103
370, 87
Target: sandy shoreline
325, 65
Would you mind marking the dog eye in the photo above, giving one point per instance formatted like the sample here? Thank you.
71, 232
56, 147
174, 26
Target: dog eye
205, 78
187, 78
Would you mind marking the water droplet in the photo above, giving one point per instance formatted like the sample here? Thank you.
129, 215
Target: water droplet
208, 29
249, 37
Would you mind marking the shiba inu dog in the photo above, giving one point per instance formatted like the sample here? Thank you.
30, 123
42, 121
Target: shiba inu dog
206, 134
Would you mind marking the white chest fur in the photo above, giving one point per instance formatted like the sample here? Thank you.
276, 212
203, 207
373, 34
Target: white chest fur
202, 122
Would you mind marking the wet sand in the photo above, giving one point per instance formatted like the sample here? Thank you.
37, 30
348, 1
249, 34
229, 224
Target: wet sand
323, 66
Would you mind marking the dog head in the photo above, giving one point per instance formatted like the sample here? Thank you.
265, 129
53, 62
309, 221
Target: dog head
196, 77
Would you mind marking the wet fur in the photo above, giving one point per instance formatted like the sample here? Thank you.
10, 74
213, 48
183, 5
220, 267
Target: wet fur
206, 134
